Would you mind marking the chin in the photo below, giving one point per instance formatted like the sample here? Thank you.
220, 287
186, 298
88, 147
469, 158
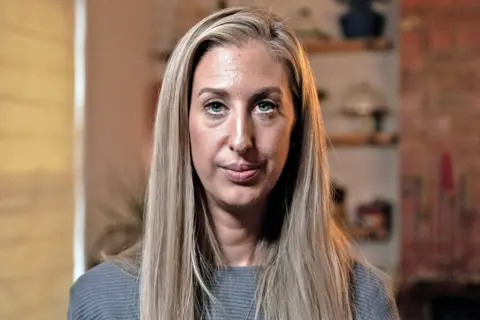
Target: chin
241, 197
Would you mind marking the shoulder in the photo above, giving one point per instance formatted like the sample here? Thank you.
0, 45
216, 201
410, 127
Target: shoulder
107, 291
373, 294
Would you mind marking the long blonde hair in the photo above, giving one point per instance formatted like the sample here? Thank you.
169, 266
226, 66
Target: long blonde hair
306, 264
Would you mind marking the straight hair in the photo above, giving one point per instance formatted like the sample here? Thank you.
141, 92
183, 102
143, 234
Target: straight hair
306, 261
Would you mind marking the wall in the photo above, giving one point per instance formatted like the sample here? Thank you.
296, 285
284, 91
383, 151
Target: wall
368, 172
119, 76
36, 144
440, 90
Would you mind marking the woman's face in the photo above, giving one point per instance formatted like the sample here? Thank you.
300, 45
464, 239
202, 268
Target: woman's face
241, 118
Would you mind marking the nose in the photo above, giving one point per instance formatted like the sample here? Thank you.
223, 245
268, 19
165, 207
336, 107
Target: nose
241, 134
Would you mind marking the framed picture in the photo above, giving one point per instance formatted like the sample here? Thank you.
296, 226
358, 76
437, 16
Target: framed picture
375, 219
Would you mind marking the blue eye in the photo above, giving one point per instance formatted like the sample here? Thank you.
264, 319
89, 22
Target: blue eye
214, 108
266, 106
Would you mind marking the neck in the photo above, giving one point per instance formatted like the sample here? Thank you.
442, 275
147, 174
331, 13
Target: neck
237, 233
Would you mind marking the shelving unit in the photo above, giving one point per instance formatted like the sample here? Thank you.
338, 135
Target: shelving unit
338, 46
323, 46
355, 170
354, 46
359, 140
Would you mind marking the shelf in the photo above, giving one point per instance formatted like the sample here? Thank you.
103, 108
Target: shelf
324, 46
357, 45
352, 140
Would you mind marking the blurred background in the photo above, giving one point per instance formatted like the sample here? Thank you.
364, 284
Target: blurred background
399, 84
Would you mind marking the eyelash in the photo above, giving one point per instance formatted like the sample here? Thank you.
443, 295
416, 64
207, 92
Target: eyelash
209, 105
273, 105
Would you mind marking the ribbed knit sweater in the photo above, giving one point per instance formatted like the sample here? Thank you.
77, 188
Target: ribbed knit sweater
109, 292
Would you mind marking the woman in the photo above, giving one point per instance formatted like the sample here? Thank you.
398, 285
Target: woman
238, 222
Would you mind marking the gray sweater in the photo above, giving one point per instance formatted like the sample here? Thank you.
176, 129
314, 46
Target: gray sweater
108, 292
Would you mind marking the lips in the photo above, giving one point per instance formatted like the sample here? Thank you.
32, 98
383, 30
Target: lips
241, 173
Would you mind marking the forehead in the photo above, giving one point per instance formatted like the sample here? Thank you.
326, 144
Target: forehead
247, 65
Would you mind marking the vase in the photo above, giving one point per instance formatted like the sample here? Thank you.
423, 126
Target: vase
362, 21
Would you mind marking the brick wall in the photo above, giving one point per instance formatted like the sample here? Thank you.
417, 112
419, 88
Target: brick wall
36, 203
439, 114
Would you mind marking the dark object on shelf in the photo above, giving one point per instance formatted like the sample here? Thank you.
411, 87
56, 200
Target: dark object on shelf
322, 95
222, 4
339, 208
378, 117
351, 231
376, 218
362, 21
338, 194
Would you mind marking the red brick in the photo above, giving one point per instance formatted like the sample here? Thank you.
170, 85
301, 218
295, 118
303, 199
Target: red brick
416, 3
411, 3
440, 39
474, 3
411, 81
476, 103
445, 2
448, 16
439, 27
468, 35
463, 14
412, 54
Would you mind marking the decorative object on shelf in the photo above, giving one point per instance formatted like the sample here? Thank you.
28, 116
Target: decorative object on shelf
222, 4
362, 21
363, 100
453, 221
339, 207
352, 231
439, 222
376, 219
322, 94
304, 25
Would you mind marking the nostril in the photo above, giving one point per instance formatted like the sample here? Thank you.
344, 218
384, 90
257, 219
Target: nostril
241, 145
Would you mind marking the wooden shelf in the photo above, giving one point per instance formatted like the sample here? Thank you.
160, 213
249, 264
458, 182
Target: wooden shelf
357, 45
324, 46
352, 140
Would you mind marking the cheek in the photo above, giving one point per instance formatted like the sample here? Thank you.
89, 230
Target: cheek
275, 146
202, 145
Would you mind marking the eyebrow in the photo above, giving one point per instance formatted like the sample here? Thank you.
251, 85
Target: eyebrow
261, 93
218, 92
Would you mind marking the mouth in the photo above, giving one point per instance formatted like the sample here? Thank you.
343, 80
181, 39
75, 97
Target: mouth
241, 173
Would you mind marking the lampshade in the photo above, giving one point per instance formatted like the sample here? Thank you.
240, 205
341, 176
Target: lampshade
363, 99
